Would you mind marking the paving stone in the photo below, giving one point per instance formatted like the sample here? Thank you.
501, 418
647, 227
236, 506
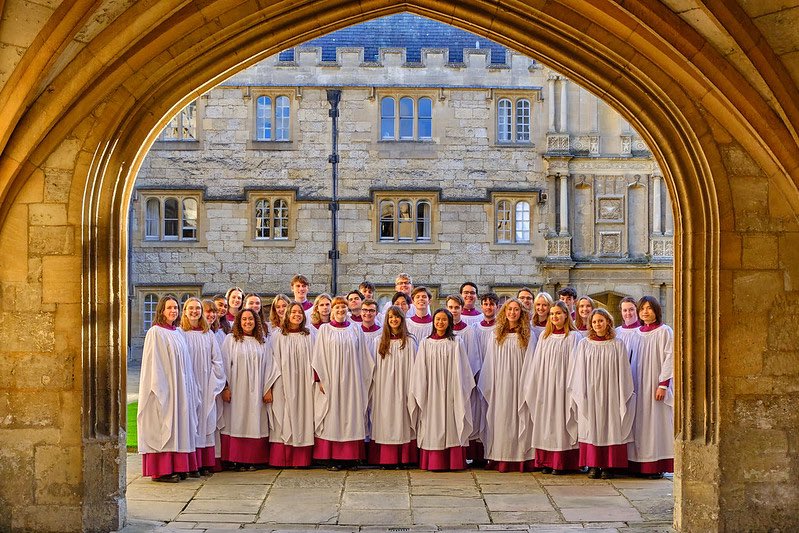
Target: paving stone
512, 488
259, 477
214, 518
638, 483
374, 486
524, 517
572, 479
215, 528
502, 527
232, 492
435, 490
182, 525
150, 510
446, 501
390, 517
289, 513
517, 502
307, 497
375, 500
162, 492
450, 515
598, 502
599, 489
651, 493
601, 514
224, 506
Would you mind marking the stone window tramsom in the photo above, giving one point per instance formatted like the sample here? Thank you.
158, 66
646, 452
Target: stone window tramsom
411, 117
405, 219
170, 218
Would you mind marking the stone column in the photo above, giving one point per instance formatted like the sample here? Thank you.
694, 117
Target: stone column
669, 223
564, 205
564, 106
551, 84
656, 228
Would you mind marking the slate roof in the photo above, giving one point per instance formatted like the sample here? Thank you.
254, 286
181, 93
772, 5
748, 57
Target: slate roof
403, 30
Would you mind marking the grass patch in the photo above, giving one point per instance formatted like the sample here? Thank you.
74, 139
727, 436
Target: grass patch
133, 435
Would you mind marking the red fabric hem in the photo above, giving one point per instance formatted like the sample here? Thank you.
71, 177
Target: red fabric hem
392, 454
613, 456
652, 467
245, 449
284, 455
511, 466
559, 460
206, 457
442, 460
351, 450
166, 463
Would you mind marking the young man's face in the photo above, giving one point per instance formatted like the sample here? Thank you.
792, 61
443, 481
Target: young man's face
469, 295
421, 301
369, 313
489, 308
455, 308
568, 300
403, 285
367, 293
354, 302
300, 291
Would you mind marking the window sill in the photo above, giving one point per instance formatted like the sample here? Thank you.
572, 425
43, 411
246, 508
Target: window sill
386, 246
176, 145
152, 243
516, 145
510, 247
270, 145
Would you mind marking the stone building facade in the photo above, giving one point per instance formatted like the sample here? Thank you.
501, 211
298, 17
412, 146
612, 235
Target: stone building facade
503, 173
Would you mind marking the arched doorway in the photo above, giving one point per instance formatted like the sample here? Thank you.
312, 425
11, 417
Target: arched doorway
80, 147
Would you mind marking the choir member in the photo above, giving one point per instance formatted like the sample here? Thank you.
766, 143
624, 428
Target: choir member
541, 306
500, 384
234, 298
344, 371
652, 451
628, 331
371, 329
546, 403
469, 313
525, 295
601, 387
420, 324
299, 287
166, 419
568, 296
254, 302
393, 436
483, 334
438, 399
354, 301
291, 435
221, 312
403, 301
320, 312
584, 307
209, 379
277, 312
250, 374
212, 317
367, 288
403, 283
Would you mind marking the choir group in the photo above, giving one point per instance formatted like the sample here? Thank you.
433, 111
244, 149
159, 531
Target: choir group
537, 384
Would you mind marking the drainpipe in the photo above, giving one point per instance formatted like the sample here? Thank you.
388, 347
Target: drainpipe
333, 98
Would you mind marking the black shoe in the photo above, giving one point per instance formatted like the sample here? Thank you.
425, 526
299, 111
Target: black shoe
546, 470
607, 474
171, 478
195, 474
182, 475
659, 475
556, 472
594, 473
334, 468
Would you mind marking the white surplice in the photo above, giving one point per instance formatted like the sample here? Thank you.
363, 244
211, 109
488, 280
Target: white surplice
500, 385
419, 331
167, 416
472, 319
470, 343
602, 387
209, 375
546, 402
344, 366
653, 427
388, 395
291, 420
438, 400
250, 373
369, 338
628, 336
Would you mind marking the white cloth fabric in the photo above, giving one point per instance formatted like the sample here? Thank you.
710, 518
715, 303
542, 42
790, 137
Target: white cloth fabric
292, 420
388, 395
602, 387
500, 384
209, 376
471, 320
167, 416
250, 373
628, 336
546, 402
369, 339
438, 400
653, 427
344, 366
220, 337
537, 331
469, 338
419, 331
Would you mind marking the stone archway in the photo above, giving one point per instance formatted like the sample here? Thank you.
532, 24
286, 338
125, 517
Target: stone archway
92, 90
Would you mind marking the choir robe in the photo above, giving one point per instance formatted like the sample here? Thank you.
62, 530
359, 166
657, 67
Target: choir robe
537, 330
500, 384
167, 414
344, 368
601, 386
546, 403
438, 402
628, 336
369, 337
483, 334
652, 449
393, 436
209, 376
468, 335
251, 372
220, 337
420, 328
471, 316
291, 420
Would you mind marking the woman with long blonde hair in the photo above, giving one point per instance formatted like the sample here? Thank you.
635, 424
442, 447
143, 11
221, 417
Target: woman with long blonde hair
500, 385
277, 312
547, 406
320, 312
583, 308
541, 306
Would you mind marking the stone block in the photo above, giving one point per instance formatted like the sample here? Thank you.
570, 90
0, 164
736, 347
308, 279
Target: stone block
47, 214
58, 474
25, 409
767, 412
43, 371
760, 251
14, 244
51, 240
61, 279
789, 259
48, 518
36, 335
757, 455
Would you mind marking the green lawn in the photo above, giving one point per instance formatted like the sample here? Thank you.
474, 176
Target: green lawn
132, 434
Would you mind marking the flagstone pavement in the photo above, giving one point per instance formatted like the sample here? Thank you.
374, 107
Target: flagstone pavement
373, 500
